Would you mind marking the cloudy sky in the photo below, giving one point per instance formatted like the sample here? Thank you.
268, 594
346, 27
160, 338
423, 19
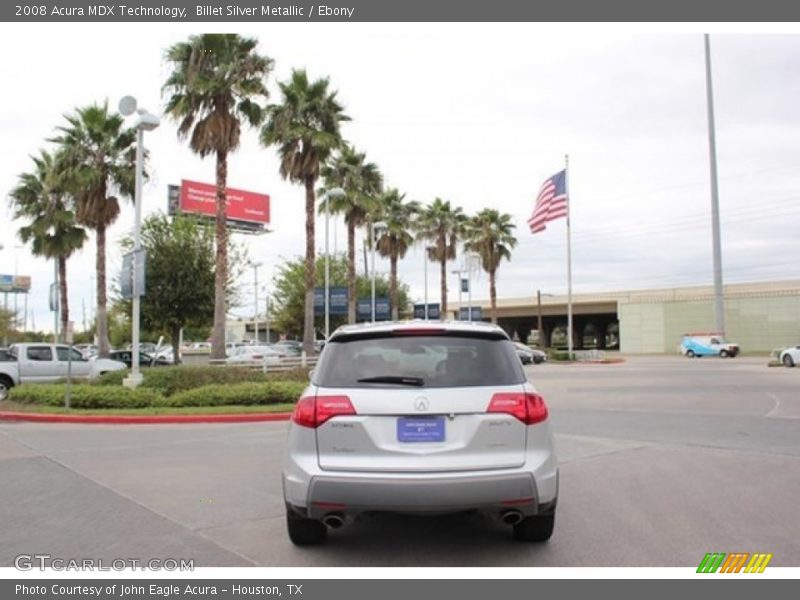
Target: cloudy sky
477, 114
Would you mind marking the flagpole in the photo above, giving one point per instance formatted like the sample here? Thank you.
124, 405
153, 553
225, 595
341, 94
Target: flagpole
569, 259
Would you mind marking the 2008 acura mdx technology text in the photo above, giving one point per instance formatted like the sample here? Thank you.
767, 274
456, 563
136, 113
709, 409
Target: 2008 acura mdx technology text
422, 418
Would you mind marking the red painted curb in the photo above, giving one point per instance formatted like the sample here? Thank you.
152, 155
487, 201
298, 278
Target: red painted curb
142, 419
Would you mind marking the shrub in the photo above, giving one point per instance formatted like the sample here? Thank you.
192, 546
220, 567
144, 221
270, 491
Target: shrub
85, 396
171, 380
558, 355
248, 393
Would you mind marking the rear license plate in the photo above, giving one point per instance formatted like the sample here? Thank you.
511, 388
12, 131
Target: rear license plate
420, 429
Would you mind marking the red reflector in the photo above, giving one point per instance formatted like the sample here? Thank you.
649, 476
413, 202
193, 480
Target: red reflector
528, 408
518, 501
418, 331
314, 411
329, 505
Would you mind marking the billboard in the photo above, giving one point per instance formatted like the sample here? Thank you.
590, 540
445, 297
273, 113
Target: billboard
433, 311
464, 313
247, 210
337, 300
383, 310
15, 283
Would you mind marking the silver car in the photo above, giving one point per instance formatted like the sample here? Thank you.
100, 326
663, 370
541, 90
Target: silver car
419, 418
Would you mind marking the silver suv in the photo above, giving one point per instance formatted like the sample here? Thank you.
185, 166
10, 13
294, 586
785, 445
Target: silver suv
423, 418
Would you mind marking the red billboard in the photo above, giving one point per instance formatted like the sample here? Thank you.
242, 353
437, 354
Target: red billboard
200, 198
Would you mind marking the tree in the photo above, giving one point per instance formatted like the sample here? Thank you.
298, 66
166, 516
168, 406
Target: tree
305, 129
215, 84
288, 296
443, 225
96, 160
180, 276
395, 240
40, 198
361, 182
490, 235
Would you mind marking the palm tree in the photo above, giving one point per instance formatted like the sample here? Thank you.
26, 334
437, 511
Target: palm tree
305, 128
96, 159
40, 198
489, 235
215, 84
443, 225
362, 182
395, 240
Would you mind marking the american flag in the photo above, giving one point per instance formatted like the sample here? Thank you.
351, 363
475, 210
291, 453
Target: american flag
551, 203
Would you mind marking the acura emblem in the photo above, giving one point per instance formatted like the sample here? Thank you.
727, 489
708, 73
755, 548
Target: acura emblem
421, 403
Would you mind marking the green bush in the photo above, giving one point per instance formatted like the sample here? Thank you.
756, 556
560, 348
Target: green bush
171, 380
85, 396
558, 355
248, 393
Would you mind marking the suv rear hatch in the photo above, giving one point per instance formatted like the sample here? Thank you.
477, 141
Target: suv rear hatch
420, 402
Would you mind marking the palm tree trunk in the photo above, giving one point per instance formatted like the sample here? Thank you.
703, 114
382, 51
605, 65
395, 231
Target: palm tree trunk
393, 286
62, 280
493, 294
308, 322
351, 272
221, 259
176, 335
102, 313
443, 275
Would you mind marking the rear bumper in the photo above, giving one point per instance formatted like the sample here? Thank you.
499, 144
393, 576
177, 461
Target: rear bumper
355, 493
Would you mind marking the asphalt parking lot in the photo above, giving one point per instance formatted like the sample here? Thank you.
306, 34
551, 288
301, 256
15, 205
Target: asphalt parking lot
662, 460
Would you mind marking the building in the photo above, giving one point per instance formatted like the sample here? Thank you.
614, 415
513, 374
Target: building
759, 317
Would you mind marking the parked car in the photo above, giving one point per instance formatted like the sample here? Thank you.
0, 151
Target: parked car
253, 355
790, 356
145, 359
704, 344
424, 419
45, 363
293, 345
528, 355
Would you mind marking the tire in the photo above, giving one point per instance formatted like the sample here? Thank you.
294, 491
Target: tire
5, 385
690, 353
723, 353
305, 532
788, 361
535, 529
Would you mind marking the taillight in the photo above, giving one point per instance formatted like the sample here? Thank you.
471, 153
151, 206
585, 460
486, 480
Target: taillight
418, 331
313, 411
528, 408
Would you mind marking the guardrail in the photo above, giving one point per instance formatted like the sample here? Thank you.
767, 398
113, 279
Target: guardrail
286, 363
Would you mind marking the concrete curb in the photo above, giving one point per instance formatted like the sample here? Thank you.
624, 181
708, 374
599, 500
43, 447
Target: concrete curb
142, 419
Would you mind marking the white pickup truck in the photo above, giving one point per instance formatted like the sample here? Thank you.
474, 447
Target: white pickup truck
44, 363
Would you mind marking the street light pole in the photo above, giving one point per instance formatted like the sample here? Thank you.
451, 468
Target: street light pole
255, 266
145, 122
266, 315
458, 273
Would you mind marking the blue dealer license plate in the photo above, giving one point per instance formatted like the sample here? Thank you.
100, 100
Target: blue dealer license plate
420, 429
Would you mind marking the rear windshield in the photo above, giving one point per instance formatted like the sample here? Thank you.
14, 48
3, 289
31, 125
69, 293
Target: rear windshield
430, 361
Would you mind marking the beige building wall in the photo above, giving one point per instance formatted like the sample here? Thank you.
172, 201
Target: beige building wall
756, 323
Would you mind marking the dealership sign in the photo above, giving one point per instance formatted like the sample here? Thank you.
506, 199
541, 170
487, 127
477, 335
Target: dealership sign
15, 284
245, 210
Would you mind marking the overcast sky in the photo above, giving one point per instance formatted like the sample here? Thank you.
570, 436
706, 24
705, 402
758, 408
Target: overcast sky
478, 114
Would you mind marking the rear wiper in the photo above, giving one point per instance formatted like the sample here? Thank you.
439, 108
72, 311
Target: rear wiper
416, 381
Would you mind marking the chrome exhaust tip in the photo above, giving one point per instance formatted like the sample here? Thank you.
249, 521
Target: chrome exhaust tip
334, 521
511, 517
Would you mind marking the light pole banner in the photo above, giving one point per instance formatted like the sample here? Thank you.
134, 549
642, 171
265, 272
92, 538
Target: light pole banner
542, 11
